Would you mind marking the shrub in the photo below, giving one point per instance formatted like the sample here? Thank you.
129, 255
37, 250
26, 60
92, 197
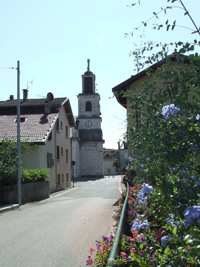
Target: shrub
29, 175
8, 161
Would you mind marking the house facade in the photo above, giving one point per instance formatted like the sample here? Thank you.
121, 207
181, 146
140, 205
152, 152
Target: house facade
136, 82
45, 124
108, 165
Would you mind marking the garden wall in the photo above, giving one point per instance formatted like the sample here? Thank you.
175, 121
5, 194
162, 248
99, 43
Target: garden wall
30, 192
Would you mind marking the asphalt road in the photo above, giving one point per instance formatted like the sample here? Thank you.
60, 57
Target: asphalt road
59, 231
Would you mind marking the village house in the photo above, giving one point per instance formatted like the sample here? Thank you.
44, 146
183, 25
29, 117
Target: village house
123, 90
45, 124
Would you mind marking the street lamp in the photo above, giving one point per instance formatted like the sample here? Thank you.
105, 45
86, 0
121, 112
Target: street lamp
18, 132
18, 137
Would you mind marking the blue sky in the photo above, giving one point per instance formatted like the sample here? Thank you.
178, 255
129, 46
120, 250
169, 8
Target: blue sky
53, 40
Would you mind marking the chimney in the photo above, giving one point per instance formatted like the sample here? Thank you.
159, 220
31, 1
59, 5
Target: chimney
47, 107
11, 97
25, 94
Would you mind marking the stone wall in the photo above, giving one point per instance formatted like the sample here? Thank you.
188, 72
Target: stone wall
30, 192
91, 159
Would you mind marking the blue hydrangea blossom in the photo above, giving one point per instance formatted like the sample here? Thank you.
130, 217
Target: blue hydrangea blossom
171, 221
190, 214
137, 225
169, 109
164, 240
146, 189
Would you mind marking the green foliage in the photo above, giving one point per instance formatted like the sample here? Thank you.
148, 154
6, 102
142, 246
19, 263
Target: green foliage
8, 160
36, 175
170, 145
8, 165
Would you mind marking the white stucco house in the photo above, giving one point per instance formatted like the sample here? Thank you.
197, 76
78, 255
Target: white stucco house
108, 165
45, 123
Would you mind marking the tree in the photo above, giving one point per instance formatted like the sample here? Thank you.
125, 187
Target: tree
165, 146
8, 161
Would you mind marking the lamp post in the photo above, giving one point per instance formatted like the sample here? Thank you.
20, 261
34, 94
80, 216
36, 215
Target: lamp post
18, 137
18, 132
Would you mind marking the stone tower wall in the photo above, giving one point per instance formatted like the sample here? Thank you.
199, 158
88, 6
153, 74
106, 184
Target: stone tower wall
91, 159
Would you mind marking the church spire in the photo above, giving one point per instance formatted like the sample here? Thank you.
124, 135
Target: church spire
88, 67
88, 78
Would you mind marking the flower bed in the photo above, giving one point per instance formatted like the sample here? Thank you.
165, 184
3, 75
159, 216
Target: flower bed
157, 236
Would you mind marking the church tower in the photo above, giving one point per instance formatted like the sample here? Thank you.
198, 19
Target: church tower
89, 128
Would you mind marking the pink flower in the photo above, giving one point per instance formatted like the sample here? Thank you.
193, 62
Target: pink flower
91, 261
91, 250
133, 250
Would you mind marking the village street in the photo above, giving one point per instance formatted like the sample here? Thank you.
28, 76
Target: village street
59, 231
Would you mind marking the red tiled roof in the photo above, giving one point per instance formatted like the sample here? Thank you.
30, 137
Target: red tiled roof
32, 102
36, 127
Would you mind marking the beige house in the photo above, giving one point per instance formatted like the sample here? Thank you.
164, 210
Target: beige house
45, 123
136, 82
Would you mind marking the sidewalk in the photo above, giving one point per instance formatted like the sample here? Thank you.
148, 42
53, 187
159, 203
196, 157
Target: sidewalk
8, 207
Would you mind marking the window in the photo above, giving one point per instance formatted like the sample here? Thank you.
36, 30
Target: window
50, 162
66, 132
22, 119
61, 151
58, 179
67, 177
67, 155
170, 87
62, 178
88, 106
58, 152
57, 125
61, 125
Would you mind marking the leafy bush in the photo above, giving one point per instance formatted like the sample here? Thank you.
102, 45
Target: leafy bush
28, 176
8, 161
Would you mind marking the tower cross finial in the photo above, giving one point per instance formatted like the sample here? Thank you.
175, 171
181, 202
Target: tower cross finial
88, 67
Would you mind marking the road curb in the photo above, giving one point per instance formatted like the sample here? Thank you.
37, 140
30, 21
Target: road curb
9, 207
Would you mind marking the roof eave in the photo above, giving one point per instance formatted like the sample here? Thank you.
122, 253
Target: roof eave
69, 112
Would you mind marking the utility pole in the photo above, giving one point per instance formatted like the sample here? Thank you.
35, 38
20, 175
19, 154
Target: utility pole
18, 132
18, 137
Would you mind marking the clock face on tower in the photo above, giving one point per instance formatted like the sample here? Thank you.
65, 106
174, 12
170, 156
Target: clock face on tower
88, 124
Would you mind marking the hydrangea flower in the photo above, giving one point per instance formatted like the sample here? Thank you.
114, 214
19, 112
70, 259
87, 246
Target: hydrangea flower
137, 225
146, 189
169, 109
197, 117
198, 183
165, 239
191, 213
171, 221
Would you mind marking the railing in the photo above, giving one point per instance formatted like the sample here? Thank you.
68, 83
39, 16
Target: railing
121, 229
